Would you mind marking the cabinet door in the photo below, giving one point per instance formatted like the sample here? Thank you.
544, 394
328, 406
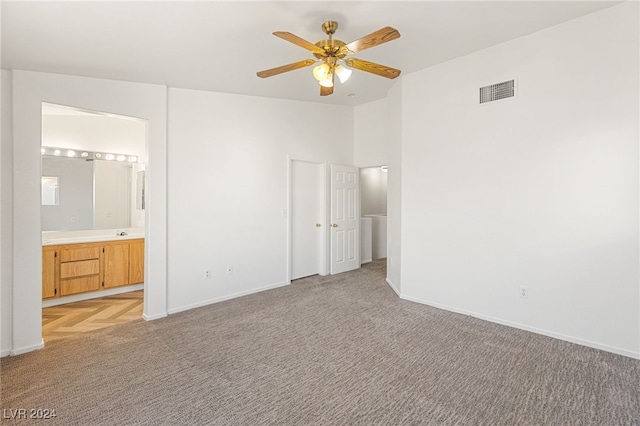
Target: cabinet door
116, 264
136, 262
49, 282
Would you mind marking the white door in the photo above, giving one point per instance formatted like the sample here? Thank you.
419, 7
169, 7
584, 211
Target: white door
345, 226
307, 224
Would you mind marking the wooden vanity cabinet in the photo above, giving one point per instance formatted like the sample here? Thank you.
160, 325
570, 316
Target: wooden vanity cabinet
80, 268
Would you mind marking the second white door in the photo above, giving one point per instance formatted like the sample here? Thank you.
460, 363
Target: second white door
345, 219
307, 223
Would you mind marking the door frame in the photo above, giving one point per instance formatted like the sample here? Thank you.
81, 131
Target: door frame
29, 90
325, 217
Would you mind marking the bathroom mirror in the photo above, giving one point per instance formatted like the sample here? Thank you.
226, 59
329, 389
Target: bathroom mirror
91, 174
79, 194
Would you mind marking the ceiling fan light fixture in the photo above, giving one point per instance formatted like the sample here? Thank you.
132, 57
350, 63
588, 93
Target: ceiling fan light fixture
321, 72
343, 73
332, 53
328, 82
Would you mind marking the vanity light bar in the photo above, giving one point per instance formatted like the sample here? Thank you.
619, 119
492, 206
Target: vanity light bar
71, 153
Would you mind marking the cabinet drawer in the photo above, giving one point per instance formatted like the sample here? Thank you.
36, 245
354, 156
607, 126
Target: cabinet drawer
79, 253
79, 285
79, 269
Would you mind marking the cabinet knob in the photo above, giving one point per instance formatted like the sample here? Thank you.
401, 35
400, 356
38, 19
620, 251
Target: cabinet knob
318, 225
335, 225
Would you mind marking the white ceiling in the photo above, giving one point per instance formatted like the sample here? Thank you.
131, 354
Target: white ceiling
219, 46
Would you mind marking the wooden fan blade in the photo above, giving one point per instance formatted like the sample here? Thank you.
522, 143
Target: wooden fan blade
381, 70
285, 68
292, 38
374, 39
325, 91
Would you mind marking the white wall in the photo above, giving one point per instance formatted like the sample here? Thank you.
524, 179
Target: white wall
540, 191
371, 134
6, 214
373, 191
144, 101
394, 188
228, 187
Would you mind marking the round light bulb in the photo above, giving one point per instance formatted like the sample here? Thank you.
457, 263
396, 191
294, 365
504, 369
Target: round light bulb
121, 158
71, 153
343, 73
133, 159
321, 72
84, 154
327, 83
56, 152
109, 157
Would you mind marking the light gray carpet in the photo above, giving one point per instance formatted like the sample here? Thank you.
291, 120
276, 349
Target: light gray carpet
337, 350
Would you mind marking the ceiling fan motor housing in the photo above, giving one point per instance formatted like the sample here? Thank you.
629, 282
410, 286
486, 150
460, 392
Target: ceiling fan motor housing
331, 48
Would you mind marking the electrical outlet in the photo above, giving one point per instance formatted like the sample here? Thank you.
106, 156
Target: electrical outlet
207, 274
524, 292
229, 269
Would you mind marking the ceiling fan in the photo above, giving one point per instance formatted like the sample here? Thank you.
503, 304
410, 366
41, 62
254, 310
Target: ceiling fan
332, 54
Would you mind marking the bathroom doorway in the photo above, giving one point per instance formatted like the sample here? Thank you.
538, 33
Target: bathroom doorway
92, 219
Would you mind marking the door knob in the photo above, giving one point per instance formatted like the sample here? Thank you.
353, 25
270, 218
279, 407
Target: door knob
318, 225
335, 225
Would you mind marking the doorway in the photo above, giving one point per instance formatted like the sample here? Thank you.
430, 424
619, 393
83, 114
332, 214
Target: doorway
373, 190
92, 220
307, 224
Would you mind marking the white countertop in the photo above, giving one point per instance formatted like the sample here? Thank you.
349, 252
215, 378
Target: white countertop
50, 238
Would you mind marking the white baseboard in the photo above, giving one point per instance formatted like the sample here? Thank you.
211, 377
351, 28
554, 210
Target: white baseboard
26, 349
572, 339
393, 287
154, 317
5, 352
93, 295
362, 262
227, 297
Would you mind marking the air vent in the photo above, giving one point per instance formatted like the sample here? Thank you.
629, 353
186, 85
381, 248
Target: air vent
495, 92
